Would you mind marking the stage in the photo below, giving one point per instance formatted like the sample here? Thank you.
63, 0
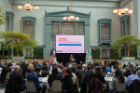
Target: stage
64, 57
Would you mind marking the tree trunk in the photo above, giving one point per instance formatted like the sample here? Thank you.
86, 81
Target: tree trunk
17, 53
128, 50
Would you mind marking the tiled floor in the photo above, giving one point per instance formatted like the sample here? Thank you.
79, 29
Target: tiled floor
2, 90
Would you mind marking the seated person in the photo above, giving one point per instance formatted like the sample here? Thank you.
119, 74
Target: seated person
108, 69
33, 77
99, 76
54, 76
132, 77
127, 71
5, 70
118, 77
45, 71
30, 68
18, 78
1, 64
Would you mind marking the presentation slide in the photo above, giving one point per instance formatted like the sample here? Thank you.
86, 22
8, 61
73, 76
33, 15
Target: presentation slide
69, 43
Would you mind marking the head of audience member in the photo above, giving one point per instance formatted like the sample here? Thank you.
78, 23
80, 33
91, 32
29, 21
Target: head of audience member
119, 76
26, 65
134, 71
9, 64
124, 65
37, 71
68, 71
98, 71
129, 63
54, 72
81, 63
92, 67
115, 67
17, 64
136, 64
30, 66
73, 69
17, 69
65, 65
45, 68
5, 64
2, 62
127, 69
23, 63
104, 67
79, 67
89, 67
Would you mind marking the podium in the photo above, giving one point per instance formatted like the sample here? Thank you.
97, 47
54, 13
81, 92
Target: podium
72, 60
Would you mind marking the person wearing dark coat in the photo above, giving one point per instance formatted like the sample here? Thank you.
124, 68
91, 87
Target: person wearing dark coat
127, 71
25, 70
88, 76
5, 70
18, 79
54, 76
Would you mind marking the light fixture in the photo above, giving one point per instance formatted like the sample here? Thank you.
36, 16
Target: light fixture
130, 11
28, 7
36, 7
71, 17
19, 7
115, 11
123, 11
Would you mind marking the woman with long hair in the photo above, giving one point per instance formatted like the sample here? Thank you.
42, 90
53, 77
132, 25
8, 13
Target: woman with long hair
118, 77
54, 76
45, 71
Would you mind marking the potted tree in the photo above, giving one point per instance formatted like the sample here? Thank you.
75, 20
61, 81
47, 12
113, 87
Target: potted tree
17, 40
125, 41
2, 16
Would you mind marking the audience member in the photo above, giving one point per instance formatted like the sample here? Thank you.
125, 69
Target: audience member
127, 71
123, 68
136, 66
118, 77
1, 64
79, 69
64, 70
25, 70
10, 65
132, 77
18, 78
128, 64
45, 71
92, 68
108, 69
99, 75
115, 67
4, 72
33, 77
22, 65
81, 63
54, 76
104, 72
17, 64
131, 66
58, 68
30, 68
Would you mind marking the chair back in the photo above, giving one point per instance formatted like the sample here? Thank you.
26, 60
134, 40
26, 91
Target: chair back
26, 74
30, 86
120, 86
8, 75
56, 86
134, 87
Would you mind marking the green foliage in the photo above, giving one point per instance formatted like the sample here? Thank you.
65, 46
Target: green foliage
113, 54
17, 40
95, 53
133, 51
2, 16
38, 53
15, 52
125, 41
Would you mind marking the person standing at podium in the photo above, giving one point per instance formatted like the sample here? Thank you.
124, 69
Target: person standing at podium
72, 58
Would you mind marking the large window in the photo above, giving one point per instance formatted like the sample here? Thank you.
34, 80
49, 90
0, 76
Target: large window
104, 26
125, 25
28, 26
105, 31
104, 53
9, 21
66, 28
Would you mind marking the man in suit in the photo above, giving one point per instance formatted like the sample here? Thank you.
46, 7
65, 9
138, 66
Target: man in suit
5, 70
33, 77
18, 78
1, 64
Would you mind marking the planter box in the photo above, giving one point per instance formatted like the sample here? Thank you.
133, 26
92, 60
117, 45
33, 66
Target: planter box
17, 58
128, 58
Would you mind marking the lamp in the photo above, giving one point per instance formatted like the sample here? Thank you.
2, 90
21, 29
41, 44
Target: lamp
19, 7
125, 9
77, 18
115, 11
130, 11
119, 14
64, 18
36, 8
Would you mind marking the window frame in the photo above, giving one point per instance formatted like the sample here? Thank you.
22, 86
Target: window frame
28, 19
105, 21
125, 18
10, 15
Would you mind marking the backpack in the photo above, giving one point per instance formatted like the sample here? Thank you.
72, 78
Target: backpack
11, 87
96, 85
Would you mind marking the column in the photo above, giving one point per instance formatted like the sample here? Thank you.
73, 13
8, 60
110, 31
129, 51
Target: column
48, 39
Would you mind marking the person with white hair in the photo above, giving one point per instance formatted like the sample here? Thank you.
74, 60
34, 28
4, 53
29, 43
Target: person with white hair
18, 78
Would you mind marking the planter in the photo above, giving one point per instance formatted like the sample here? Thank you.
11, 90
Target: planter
128, 58
17, 58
